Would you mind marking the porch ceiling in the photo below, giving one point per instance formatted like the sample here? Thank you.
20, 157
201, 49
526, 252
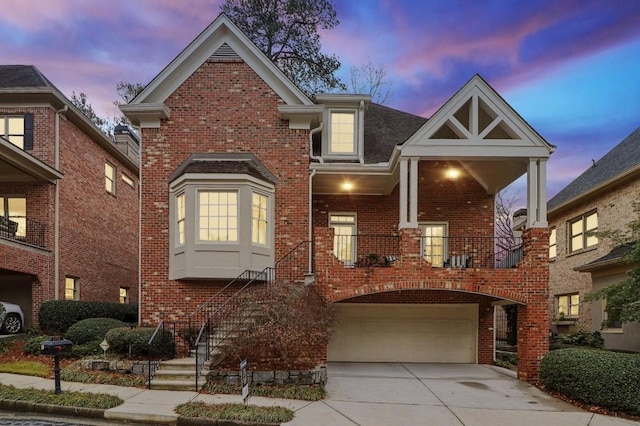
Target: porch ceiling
493, 174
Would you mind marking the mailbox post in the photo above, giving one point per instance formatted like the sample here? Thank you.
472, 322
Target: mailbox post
55, 347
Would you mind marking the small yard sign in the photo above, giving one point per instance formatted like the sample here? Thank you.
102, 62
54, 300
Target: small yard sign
245, 381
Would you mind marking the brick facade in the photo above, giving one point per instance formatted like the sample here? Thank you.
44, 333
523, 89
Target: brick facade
98, 231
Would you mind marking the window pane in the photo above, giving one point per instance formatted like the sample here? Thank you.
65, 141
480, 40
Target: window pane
217, 219
15, 125
343, 132
592, 240
592, 222
259, 219
576, 243
576, 228
17, 141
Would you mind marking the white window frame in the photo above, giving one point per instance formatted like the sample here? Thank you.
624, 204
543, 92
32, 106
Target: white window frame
424, 247
346, 255
330, 152
110, 178
124, 298
553, 244
232, 227
181, 210
74, 287
126, 179
585, 233
568, 305
12, 137
261, 221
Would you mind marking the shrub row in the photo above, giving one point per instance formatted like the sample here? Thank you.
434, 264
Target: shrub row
134, 341
607, 379
56, 316
579, 338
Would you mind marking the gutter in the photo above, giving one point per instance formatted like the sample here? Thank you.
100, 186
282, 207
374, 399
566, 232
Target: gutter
56, 208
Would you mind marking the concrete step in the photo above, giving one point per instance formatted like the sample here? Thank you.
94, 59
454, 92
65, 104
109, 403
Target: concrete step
186, 364
175, 374
176, 385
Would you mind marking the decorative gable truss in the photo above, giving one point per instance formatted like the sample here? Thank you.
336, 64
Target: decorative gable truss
478, 129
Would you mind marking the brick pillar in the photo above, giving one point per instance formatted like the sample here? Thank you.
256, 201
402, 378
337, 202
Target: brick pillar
533, 318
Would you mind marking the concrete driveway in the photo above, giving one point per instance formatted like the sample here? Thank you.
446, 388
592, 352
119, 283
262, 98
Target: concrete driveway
437, 394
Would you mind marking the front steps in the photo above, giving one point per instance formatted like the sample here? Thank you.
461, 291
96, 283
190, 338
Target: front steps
178, 375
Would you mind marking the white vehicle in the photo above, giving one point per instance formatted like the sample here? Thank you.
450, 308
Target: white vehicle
12, 318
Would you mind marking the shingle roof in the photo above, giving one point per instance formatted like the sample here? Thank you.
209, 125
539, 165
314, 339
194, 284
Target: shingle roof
224, 163
22, 76
622, 158
616, 255
384, 128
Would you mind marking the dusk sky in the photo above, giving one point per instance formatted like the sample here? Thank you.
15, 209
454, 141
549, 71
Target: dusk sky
570, 68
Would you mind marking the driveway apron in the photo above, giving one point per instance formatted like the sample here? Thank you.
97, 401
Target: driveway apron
372, 394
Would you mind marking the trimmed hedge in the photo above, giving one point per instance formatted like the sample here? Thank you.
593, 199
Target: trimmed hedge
56, 316
91, 329
134, 341
607, 379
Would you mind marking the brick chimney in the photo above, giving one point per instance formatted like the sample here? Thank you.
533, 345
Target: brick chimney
127, 142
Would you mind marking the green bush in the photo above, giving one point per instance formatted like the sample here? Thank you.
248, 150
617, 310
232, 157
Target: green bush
33, 345
607, 379
579, 338
134, 341
91, 329
56, 316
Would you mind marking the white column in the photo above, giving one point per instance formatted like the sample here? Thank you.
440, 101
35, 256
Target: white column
413, 188
541, 220
532, 193
404, 189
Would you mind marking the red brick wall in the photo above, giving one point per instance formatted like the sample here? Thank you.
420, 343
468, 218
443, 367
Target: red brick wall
98, 231
222, 107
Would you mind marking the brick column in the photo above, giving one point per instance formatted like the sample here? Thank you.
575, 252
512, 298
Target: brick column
533, 318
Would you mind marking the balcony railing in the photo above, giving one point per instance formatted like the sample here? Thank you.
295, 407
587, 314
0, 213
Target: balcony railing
444, 252
23, 230
366, 250
472, 252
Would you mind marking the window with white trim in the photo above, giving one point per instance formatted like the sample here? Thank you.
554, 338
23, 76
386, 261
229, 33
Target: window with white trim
583, 232
18, 129
342, 134
552, 244
180, 217
344, 240
568, 306
218, 216
126, 179
110, 178
124, 295
71, 288
259, 218
434, 243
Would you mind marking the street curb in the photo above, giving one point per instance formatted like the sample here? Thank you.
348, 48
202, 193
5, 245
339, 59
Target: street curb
16, 405
20, 406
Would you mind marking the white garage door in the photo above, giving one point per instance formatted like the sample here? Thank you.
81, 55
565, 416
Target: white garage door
405, 333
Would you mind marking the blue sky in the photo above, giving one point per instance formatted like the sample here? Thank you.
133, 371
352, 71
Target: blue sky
570, 68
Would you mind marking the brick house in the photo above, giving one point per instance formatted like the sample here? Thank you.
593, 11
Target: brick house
389, 214
68, 199
603, 198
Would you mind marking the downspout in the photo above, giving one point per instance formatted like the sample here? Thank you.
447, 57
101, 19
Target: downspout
140, 225
360, 133
311, 175
310, 266
56, 208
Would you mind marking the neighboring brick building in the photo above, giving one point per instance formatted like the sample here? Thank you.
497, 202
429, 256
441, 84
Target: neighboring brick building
603, 198
240, 170
68, 199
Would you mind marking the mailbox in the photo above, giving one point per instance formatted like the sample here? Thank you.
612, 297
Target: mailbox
56, 347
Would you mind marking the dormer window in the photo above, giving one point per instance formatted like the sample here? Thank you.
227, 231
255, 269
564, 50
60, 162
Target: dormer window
342, 133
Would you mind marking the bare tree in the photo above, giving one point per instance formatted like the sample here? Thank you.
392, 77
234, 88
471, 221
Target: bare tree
370, 79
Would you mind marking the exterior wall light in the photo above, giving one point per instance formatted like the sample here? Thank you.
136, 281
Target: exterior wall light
453, 174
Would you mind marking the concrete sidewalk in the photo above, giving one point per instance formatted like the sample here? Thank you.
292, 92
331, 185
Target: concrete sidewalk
375, 395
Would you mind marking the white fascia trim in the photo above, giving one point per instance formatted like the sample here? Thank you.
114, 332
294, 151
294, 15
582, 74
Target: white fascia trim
301, 117
27, 163
221, 30
338, 99
146, 115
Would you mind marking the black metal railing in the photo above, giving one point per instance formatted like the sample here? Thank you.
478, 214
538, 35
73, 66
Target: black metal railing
23, 230
472, 252
169, 340
366, 250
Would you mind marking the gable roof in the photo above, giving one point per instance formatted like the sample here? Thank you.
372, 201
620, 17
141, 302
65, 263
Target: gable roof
224, 37
617, 256
623, 159
384, 128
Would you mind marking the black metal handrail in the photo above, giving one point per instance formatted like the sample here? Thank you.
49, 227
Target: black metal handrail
472, 252
24, 230
366, 249
168, 339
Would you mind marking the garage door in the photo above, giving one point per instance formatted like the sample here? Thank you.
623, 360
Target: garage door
405, 333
